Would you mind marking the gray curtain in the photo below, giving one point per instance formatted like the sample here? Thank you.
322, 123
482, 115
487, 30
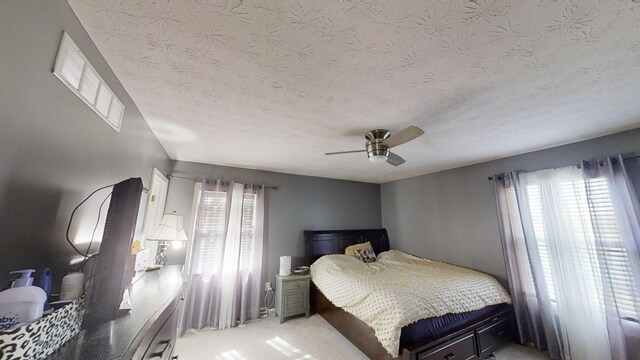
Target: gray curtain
571, 244
534, 318
216, 223
624, 330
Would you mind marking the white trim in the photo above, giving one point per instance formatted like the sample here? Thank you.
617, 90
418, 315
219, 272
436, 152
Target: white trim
158, 173
148, 225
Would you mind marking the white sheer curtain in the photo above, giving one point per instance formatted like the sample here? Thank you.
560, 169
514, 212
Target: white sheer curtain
231, 257
225, 273
581, 232
561, 237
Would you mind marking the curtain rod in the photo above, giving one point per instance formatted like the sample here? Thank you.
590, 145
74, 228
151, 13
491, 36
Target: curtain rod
200, 179
601, 163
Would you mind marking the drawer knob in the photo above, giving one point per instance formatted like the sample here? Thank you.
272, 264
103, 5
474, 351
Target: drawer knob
450, 356
500, 333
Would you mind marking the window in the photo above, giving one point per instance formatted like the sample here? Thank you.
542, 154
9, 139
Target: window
248, 232
211, 230
74, 70
598, 246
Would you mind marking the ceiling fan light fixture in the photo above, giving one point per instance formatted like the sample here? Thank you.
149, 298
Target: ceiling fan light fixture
376, 159
380, 141
377, 152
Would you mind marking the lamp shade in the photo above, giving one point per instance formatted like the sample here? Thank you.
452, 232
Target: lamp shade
169, 229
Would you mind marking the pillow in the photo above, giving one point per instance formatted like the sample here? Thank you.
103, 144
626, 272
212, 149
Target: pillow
366, 255
350, 250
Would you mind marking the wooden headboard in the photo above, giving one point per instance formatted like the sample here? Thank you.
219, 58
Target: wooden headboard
324, 242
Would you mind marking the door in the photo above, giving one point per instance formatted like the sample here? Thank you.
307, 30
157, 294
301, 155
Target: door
154, 210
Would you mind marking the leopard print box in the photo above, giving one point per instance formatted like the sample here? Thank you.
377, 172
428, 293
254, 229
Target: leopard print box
38, 340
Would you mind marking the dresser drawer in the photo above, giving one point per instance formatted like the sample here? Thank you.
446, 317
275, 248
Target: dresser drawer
492, 336
292, 285
159, 341
460, 348
163, 342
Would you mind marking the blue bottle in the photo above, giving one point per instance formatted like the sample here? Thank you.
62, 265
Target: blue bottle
44, 282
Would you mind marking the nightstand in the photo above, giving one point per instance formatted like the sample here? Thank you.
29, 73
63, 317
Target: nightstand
292, 295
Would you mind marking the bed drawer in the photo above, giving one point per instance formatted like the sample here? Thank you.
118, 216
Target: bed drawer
294, 285
492, 336
460, 348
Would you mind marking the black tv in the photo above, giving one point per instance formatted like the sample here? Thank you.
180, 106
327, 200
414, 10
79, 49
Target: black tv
114, 268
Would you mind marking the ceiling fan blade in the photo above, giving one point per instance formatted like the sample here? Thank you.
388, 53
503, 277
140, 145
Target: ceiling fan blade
395, 159
345, 152
403, 136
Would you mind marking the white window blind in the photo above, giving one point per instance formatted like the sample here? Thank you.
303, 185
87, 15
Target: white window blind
75, 71
210, 230
599, 254
248, 231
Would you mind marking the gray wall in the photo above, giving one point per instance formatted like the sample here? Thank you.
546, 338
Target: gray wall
451, 215
54, 150
300, 203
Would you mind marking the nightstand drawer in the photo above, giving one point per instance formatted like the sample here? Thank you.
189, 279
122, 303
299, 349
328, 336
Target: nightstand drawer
297, 284
294, 297
294, 308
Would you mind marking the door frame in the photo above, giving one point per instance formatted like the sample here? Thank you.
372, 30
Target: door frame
149, 224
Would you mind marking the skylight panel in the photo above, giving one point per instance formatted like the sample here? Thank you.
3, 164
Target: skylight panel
71, 67
75, 71
104, 101
90, 84
115, 112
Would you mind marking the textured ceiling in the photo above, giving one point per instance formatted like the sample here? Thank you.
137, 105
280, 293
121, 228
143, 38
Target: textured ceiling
274, 84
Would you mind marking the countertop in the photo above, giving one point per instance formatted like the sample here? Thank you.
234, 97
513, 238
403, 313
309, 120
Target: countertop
119, 338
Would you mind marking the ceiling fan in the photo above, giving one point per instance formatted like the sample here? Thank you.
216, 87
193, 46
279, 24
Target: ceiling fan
380, 141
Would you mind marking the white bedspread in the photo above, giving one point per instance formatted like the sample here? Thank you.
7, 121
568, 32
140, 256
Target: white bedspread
400, 289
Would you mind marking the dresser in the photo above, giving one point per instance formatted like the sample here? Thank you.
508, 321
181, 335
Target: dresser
292, 295
147, 332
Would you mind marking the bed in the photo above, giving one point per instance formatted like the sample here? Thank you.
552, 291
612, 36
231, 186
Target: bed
471, 335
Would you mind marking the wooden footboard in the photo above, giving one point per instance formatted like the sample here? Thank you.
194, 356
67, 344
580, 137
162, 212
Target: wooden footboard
357, 332
475, 340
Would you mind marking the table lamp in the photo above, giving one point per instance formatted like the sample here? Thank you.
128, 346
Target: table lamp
169, 229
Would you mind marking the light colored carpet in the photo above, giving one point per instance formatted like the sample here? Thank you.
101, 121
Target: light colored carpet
299, 338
